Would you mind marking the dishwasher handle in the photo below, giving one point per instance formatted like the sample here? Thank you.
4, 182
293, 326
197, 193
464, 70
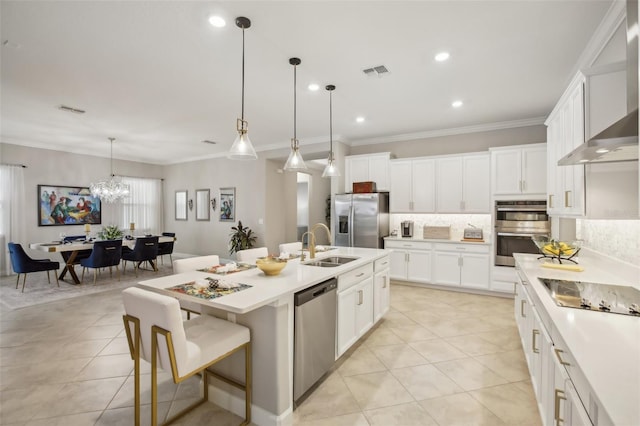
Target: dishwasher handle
318, 290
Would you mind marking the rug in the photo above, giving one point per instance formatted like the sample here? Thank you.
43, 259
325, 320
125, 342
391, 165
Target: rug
38, 290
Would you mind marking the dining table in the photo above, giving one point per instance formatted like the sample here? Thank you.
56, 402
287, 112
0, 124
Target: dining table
69, 252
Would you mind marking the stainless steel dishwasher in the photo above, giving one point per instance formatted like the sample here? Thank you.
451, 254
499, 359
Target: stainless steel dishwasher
314, 335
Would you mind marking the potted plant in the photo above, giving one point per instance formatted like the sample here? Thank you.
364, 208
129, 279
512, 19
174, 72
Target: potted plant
242, 238
110, 232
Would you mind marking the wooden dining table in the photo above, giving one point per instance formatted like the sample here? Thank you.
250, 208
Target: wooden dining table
70, 251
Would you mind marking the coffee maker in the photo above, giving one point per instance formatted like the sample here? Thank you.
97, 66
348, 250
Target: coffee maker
406, 229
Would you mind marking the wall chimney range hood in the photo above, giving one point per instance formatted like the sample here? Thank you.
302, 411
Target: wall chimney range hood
618, 142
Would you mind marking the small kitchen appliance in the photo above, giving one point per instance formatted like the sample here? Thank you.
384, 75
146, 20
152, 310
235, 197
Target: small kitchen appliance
406, 228
472, 233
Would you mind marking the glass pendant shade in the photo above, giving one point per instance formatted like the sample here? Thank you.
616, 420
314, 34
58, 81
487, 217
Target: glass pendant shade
242, 148
112, 189
295, 162
331, 170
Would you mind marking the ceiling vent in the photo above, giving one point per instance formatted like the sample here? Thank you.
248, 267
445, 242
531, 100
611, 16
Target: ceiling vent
73, 110
209, 142
378, 71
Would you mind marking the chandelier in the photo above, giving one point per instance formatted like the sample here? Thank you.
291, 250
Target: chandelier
112, 189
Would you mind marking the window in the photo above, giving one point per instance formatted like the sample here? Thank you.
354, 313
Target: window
143, 206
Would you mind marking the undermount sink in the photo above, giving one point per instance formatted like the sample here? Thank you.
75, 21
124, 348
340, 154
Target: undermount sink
331, 262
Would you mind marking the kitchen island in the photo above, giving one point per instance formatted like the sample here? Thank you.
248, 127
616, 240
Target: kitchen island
267, 308
584, 364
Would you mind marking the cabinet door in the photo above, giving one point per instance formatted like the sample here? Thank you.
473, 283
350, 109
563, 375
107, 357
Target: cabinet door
449, 185
555, 179
419, 265
534, 170
575, 414
574, 175
380, 294
475, 270
476, 184
398, 268
364, 306
347, 336
400, 200
423, 185
379, 171
506, 169
446, 268
356, 170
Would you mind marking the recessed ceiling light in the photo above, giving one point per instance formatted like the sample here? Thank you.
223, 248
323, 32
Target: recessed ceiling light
602, 150
442, 56
217, 21
360, 119
456, 104
314, 87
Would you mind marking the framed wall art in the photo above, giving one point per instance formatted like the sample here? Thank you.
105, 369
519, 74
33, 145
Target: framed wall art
67, 205
202, 204
228, 204
181, 204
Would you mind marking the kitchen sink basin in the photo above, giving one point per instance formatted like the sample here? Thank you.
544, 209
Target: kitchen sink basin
331, 262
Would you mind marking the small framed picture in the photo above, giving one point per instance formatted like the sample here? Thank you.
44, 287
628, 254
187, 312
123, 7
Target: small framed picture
228, 204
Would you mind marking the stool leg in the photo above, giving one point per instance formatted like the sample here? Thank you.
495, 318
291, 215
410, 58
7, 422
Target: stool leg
248, 383
95, 274
48, 277
24, 280
57, 282
18, 281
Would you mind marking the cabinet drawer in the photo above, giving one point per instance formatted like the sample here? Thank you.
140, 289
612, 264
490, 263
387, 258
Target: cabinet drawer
463, 248
408, 244
381, 264
350, 278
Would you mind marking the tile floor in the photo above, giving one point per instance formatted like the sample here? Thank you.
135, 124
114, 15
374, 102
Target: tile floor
437, 358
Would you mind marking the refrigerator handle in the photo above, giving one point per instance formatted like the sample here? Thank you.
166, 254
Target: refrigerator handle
351, 226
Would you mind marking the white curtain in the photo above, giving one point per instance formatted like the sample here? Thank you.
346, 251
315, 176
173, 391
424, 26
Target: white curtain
143, 207
12, 208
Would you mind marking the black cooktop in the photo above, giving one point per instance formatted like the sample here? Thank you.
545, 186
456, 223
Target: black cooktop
614, 299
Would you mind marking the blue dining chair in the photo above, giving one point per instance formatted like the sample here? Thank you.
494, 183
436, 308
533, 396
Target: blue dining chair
145, 250
104, 254
23, 264
166, 248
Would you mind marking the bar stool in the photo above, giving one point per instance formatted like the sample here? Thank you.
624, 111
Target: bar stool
156, 333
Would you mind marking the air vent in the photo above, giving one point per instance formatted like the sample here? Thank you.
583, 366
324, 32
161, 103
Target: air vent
379, 71
73, 110
209, 142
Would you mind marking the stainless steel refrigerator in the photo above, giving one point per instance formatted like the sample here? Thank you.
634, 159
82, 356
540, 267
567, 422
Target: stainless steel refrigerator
361, 220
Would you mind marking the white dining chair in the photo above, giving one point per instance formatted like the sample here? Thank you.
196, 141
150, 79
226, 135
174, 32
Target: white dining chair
156, 333
291, 248
195, 263
250, 255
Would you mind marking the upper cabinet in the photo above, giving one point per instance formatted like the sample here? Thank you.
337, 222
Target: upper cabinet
463, 184
520, 170
367, 168
412, 188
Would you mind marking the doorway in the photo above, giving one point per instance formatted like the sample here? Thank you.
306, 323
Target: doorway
302, 203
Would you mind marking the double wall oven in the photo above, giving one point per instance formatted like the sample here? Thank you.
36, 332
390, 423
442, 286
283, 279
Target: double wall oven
515, 223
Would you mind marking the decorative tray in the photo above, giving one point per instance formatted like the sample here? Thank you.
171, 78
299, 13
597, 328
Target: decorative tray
213, 291
240, 267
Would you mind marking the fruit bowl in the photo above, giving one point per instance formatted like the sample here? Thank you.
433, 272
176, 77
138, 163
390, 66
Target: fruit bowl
271, 265
556, 249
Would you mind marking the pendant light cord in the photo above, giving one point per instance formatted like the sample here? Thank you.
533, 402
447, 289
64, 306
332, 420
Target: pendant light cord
294, 103
330, 125
242, 113
111, 164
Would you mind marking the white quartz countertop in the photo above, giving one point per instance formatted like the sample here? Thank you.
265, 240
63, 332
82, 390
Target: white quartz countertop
266, 289
606, 346
438, 240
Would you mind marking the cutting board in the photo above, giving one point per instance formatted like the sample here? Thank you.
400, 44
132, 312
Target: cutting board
436, 232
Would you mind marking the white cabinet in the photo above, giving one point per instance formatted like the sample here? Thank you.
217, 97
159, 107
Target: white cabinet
365, 168
412, 185
463, 184
463, 265
355, 306
410, 260
519, 170
381, 288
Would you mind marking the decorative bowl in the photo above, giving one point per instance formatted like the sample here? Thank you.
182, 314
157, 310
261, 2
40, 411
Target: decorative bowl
271, 265
551, 247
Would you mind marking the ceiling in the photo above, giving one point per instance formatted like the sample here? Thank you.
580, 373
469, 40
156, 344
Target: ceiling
160, 79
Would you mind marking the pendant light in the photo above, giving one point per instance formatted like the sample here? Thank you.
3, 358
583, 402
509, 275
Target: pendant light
112, 189
331, 170
295, 161
242, 149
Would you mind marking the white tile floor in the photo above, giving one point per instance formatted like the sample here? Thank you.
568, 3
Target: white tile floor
437, 358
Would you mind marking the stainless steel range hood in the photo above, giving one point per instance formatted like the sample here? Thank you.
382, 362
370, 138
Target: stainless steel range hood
618, 142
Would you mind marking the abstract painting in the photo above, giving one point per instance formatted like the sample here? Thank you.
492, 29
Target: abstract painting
67, 205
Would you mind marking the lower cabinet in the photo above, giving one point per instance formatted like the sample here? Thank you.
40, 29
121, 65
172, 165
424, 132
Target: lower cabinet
410, 260
381, 290
355, 306
463, 265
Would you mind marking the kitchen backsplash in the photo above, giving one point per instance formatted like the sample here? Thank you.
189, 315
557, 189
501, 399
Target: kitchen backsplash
616, 238
457, 222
